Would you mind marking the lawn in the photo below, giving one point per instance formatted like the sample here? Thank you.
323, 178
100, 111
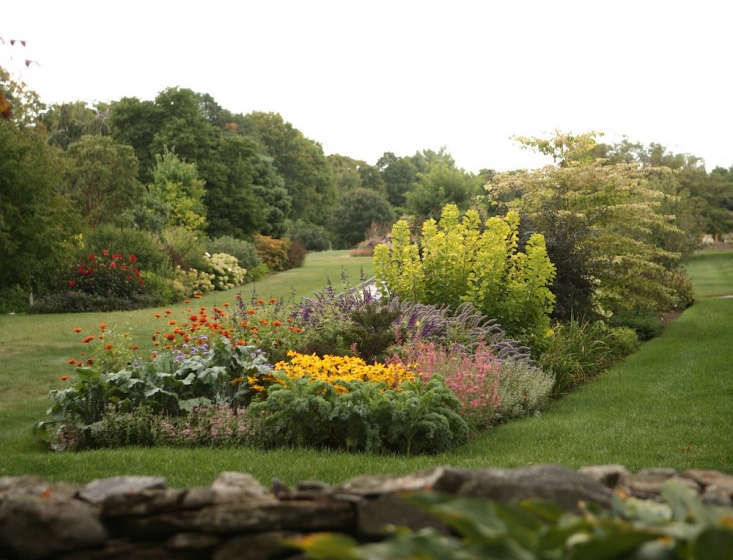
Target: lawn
666, 405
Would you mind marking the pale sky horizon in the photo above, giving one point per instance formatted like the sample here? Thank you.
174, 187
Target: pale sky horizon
363, 78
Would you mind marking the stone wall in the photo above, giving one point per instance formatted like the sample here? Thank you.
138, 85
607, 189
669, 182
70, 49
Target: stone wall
138, 517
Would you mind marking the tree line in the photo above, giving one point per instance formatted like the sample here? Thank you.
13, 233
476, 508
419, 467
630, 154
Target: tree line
183, 161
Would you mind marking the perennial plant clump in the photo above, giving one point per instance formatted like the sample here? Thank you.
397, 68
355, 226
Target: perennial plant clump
106, 273
338, 369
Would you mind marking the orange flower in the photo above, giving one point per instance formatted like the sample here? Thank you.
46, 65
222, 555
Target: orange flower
172, 322
64, 377
108, 347
260, 301
134, 347
186, 301
102, 326
71, 361
170, 336
88, 339
156, 315
276, 323
168, 311
240, 342
272, 300
156, 343
251, 312
244, 324
77, 330
226, 304
153, 355
196, 296
90, 361
263, 322
101, 337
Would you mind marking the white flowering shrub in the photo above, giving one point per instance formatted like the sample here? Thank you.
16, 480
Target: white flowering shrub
194, 281
226, 271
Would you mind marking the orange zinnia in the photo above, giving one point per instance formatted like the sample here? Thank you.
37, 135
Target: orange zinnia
272, 300
172, 322
276, 323
88, 338
102, 326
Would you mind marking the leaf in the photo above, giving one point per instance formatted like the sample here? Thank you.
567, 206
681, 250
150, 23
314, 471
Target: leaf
714, 544
188, 405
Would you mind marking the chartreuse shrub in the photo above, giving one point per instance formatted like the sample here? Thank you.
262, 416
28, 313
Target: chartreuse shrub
682, 528
461, 260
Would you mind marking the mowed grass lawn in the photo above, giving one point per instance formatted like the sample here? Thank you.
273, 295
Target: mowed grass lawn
670, 404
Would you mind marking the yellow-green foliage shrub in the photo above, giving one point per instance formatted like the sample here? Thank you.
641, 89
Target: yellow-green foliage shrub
461, 260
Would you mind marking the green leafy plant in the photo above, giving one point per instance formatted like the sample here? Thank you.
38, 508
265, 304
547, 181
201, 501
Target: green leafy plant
682, 529
418, 418
171, 383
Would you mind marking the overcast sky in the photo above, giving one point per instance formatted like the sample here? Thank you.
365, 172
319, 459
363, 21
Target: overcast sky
365, 77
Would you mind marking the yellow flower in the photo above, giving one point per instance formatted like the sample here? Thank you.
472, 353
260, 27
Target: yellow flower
338, 369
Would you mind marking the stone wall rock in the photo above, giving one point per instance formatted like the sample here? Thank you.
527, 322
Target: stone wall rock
236, 517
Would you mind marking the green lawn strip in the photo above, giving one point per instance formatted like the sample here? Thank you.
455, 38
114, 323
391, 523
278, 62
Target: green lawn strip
712, 271
666, 405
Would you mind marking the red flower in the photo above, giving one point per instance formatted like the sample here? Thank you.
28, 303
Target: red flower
133, 258
123, 267
105, 252
113, 264
92, 257
136, 271
117, 256
140, 281
81, 270
72, 283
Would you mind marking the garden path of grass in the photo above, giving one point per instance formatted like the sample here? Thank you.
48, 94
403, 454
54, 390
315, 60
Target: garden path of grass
667, 405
